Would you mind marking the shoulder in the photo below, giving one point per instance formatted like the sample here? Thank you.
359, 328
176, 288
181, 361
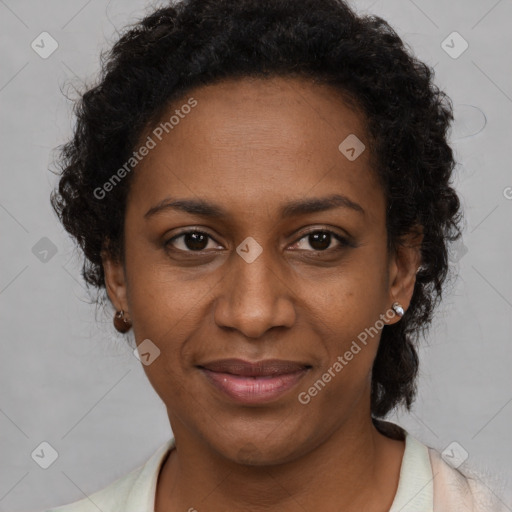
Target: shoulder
466, 490
133, 492
108, 499
428, 480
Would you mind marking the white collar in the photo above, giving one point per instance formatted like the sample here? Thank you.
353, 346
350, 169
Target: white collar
414, 493
136, 491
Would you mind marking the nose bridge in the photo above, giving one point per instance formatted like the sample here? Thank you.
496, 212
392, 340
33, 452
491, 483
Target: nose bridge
255, 296
255, 271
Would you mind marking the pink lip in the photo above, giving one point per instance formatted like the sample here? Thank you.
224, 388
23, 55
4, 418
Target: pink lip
254, 383
253, 390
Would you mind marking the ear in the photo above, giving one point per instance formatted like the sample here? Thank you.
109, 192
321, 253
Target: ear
115, 281
403, 266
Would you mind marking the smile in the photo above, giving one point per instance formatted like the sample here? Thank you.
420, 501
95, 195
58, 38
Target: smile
253, 383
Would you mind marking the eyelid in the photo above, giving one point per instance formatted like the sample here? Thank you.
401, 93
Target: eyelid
186, 232
342, 240
316, 229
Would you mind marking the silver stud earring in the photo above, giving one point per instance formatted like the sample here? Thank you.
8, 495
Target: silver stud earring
398, 309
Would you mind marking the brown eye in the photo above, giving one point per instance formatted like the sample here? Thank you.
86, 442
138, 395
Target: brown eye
192, 241
321, 240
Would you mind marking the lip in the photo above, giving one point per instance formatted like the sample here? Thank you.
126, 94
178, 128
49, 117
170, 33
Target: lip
254, 383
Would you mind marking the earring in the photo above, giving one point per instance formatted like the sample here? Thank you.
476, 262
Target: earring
121, 323
398, 309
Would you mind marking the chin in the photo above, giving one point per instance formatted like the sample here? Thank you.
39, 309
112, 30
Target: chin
263, 448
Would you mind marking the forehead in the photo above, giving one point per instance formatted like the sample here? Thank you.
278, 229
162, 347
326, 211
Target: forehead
251, 139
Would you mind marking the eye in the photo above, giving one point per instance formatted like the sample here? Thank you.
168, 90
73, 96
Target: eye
320, 240
197, 241
193, 241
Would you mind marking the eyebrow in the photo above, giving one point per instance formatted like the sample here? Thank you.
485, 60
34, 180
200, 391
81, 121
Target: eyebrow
294, 208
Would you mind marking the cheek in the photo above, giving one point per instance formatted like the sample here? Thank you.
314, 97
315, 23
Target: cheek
167, 381
348, 344
351, 298
166, 302
349, 312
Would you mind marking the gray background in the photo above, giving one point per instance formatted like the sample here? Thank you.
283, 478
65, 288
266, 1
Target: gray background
68, 379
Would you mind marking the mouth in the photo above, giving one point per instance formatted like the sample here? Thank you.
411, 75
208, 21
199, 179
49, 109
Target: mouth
254, 383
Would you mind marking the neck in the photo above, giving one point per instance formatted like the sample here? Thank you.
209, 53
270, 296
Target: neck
356, 468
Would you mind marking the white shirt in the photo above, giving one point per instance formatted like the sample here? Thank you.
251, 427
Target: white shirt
426, 484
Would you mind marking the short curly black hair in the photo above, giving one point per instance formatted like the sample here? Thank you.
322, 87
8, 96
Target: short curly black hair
198, 42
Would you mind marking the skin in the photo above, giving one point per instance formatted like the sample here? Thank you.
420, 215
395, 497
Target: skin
251, 146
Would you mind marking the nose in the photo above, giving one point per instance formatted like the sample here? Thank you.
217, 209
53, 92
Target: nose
254, 297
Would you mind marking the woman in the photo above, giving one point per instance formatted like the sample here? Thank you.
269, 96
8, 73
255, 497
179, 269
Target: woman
262, 189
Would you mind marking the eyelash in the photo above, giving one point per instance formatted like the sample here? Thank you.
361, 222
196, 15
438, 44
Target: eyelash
342, 240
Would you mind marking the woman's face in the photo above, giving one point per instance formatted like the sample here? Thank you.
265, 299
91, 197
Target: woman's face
257, 285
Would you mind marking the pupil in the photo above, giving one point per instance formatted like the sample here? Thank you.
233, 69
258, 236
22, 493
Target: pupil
322, 240
196, 241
